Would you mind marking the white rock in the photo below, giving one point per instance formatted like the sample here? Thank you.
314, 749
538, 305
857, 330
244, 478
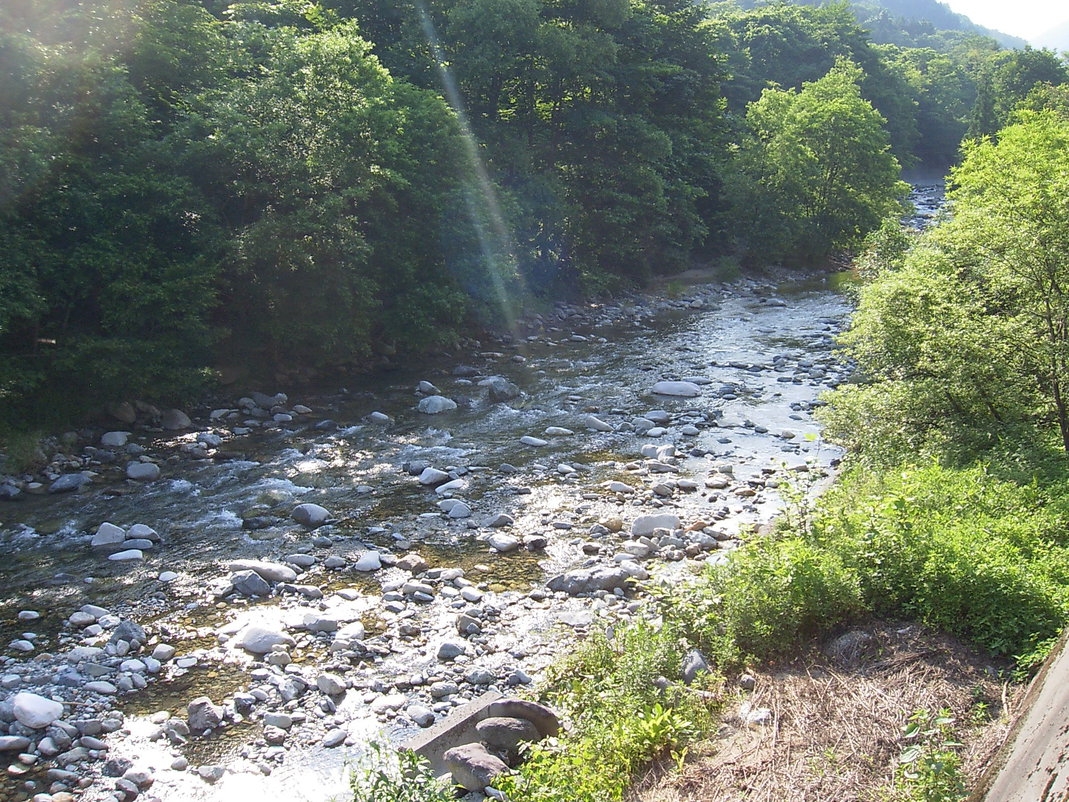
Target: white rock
528, 440
127, 555
259, 640
558, 431
646, 524
597, 424
143, 471
369, 561
459, 510
108, 534
388, 703
331, 684
677, 388
435, 404
499, 541
143, 531
114, 439
167, 576
35, 711
272, 572
433, 476
453, 486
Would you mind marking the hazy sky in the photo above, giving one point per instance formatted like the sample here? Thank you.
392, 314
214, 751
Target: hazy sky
1024, 18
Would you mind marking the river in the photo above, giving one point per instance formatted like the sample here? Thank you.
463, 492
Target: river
602, 450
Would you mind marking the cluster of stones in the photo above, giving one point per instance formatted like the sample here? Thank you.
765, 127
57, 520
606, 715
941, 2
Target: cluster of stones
496, 741
298, 705
446, 662
124, 545
60, 708
498, 390
116, 450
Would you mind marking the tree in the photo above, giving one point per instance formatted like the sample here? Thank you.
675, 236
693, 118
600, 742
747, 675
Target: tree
333, 178
969, 334
816, 171
1011, 231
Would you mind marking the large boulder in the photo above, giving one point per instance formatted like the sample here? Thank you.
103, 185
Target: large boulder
272, 572
260, 640
174, 420
500, 389
310, 515
250, 583
204, 715
589, 580
472, 766
677, 388
436, 404
544, 719
645, 525
143, 471
68, 483
506, 732
108, 534
34, 711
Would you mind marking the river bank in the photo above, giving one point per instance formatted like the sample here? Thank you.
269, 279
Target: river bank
410, 596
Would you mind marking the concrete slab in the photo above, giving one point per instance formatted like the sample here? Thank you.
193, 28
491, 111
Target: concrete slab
458, 728
1033, 764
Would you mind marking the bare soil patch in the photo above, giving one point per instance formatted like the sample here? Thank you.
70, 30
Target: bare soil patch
838, 713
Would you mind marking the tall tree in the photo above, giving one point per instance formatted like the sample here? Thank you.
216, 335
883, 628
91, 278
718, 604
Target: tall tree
968, 337
816, 171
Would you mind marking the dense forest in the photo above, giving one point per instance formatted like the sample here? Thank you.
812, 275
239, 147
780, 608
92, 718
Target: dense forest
298, 187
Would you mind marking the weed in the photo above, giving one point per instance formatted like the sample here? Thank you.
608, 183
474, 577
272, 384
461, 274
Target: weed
620, 695
385, 774
929, 768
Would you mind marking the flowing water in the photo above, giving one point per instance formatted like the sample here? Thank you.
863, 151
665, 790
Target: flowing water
762, 354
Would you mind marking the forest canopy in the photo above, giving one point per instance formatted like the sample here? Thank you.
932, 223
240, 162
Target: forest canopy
303, 188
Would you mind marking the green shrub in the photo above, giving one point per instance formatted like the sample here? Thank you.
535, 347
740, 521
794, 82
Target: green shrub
621, 714
772, 593
960, 549
385, 774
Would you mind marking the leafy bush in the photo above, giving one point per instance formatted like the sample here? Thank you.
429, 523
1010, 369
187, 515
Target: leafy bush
616, 692
961, 549
772, 593
385, 774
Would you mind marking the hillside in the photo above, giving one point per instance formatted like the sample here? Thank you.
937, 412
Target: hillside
1056, 38
912, 22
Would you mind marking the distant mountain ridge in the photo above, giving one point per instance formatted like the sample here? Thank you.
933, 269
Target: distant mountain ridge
891, 20
940, 15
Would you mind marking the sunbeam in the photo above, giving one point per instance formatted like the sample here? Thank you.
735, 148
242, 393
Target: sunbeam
495, 239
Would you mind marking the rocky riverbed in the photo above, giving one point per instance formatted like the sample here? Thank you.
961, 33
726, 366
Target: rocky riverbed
210, 603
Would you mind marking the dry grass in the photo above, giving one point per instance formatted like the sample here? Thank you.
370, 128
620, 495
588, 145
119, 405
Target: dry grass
837, 723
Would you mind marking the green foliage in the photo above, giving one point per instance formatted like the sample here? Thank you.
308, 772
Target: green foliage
771, 594
282, 182
385, 774
1005, 80
610, 690
816, 173
929, 768
966, 550
966, 338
